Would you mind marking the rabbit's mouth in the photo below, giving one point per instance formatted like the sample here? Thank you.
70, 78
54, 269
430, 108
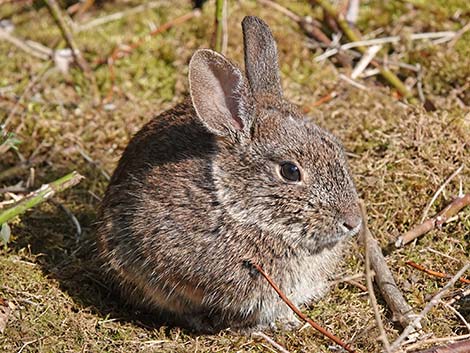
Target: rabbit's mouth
331, 240
350, 232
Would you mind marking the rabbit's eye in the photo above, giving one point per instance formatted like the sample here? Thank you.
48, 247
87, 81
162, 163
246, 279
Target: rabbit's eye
290, 171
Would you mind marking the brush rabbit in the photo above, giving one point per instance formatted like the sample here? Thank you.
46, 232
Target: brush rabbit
233, 174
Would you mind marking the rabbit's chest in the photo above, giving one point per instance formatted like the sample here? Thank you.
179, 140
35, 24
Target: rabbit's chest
306, 279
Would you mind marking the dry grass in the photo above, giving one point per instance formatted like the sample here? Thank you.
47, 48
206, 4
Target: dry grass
401, 156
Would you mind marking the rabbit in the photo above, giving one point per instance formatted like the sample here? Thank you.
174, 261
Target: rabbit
233, 175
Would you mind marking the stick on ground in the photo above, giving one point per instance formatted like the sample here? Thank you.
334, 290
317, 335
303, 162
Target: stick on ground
354, 36
56, 13
434, 273
44, 193
402, 311
433, 302
458, 347
438, 220
67, 34
298, 312
310, 27
272, 342
370, 287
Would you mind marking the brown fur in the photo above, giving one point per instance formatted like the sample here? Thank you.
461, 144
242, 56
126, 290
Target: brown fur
198, 192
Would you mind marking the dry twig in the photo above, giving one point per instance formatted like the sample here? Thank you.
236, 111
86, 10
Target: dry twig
458, 314
446, 340
270, 341
438, 192
437, 221
297, 310
310, 27
354, 36
370, 287
33, 50
67, 34
458, 347
402, 311
434, 273
463, 294
352, 12
434, 301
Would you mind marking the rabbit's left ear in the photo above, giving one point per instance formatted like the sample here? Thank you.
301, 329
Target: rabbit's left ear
261, 65
219, 94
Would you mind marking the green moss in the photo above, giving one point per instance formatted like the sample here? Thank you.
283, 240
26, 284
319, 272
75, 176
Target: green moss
400, 157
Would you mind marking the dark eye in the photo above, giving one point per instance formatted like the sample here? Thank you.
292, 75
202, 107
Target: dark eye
290, 171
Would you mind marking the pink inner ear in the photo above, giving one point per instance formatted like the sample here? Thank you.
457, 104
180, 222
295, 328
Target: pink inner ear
237, 123
230, 83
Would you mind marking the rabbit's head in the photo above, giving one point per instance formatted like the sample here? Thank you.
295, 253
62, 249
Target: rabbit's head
272, 168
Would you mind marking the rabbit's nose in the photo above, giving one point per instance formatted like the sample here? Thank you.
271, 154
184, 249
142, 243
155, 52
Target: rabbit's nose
351, 221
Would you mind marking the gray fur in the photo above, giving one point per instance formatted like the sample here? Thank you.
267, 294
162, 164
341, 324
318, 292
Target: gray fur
197, 195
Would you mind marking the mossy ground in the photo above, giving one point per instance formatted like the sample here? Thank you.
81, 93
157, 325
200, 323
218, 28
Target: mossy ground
400, 155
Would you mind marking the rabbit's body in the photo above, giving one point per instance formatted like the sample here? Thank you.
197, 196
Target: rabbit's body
201, 191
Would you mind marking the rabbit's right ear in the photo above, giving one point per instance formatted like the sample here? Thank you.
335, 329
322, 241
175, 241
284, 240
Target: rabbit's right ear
219, 94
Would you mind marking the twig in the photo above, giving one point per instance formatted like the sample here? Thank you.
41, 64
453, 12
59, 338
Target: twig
298, 312
293, 16
221, 34
27, 343
94, 163
352, 280
44, 193
440, 253
326, 98
434, 301
85, 6
365, 60
459, 315
438, 192
355, 37
437, 221
458, 347
357, 284
402, 311
25, 46
116, 16
459, 34
76, 53
67, 34
459, 296
446, 340
370, 287
352, 82
381, 41
270, 341
434, 273
352, 12
310, 27
73, 219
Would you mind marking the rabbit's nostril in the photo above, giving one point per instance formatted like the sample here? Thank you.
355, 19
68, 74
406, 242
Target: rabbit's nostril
351, 221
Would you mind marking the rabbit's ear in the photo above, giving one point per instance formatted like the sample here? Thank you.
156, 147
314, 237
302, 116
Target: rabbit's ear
219, 94
261, 66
